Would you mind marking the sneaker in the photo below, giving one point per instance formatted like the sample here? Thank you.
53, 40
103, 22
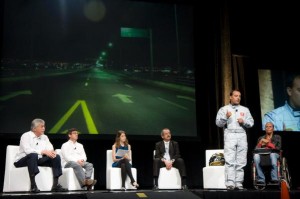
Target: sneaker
230, 188
123, 188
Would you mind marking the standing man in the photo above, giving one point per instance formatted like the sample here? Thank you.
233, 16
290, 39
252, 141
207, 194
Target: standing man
167, 155
36, 150
234, 119
73, 156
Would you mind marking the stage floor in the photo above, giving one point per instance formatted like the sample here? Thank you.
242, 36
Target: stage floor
159, 194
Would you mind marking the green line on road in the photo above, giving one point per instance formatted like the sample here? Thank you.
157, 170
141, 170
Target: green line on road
174, 104
127, 85
88, 118
186, 97
15, 94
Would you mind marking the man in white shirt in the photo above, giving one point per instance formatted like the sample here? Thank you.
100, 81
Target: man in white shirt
73, 156
36, 150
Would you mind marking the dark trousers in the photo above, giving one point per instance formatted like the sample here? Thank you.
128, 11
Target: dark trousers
32, 162
125, 170
179, 164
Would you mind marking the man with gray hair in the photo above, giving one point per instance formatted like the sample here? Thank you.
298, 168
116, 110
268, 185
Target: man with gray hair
36, 150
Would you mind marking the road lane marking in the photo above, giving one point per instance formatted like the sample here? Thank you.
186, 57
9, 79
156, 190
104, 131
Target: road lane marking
87, 116
127, 85
173, 103
15, 94
186, 98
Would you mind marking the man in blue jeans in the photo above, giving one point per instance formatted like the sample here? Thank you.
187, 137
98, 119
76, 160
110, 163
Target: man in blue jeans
268, 141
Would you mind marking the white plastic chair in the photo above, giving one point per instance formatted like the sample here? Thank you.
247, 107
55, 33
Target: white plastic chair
213, 176
169, 179
68, 178
113, 174
17, 179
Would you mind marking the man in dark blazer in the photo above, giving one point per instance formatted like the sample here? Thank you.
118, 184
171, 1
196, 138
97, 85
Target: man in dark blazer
167, 155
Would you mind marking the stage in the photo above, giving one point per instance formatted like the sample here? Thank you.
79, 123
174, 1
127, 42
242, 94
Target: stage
160, 194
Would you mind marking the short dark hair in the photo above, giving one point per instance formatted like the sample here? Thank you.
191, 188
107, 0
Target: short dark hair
231, 92
71, 130
291, 78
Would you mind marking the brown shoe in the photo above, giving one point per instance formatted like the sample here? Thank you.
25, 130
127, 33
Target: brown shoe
89, 187
89, 182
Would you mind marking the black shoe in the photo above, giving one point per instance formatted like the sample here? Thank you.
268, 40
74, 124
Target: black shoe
260, 183
58, 188
184, 188
34, 189
155, 187
274, 181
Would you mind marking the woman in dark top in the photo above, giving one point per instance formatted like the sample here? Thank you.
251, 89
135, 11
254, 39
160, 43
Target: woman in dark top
123, 162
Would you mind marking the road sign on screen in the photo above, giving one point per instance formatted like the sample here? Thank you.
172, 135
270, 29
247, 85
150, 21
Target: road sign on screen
134, 32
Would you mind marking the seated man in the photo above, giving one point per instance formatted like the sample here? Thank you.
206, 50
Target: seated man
36, 150
73, 156
268, 141
167, 155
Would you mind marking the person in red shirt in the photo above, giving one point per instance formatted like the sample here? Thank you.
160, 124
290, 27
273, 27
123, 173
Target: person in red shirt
268, 141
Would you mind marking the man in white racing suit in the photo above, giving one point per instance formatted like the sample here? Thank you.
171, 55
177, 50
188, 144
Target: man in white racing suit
234, 119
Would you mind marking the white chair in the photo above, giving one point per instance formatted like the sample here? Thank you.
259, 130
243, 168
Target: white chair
68, 178
169, 179
213, 176
113, 174
17, 179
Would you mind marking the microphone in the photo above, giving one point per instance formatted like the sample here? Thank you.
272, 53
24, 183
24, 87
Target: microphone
236, 110
37, 143
74, 148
